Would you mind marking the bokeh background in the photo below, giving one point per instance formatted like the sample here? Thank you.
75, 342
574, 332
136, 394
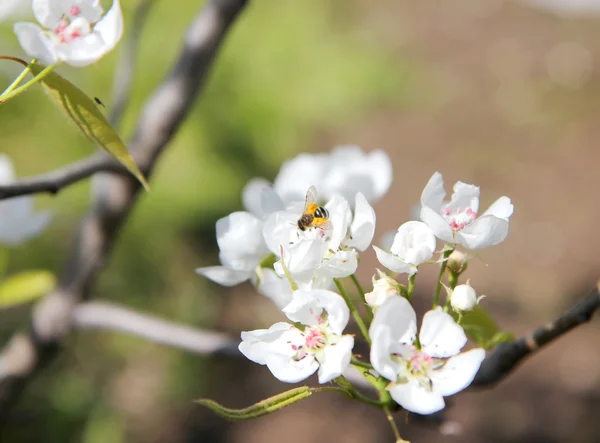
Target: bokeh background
497, 93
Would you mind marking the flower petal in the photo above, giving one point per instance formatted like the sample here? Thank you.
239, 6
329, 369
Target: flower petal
302, 259
240, 237
501, 208
307, 306
224, 276
457, 373
486, 231
393, 263
438, 225
414, 243
440, 336
340, 217
398, 316
362, 228
260, 199
110, 27
415, 398
339, 265
434, 193
49, 12
275, 288
35, 43
7, 172
257, 344
289, 370
336, 359
464, 197
19, 222
298, 174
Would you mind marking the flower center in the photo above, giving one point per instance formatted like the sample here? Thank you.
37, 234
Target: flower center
457, 218
419, 364
315, 339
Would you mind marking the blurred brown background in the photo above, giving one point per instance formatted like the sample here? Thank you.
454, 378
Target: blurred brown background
491, 92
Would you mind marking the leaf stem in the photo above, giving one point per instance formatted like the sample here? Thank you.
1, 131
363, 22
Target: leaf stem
7, 96
355, 314
361, 364
351, 391
411, 287
452, 282
20, 78
438, 288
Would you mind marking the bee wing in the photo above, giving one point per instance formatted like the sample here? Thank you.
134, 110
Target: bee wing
311, 197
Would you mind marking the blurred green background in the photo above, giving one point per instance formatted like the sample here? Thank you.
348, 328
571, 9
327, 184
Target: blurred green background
490, 92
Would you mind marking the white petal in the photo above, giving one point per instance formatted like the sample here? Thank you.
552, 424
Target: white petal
289, 370
298, 174
7, 173
440, 336
240, 237
501, 208
110, 27
49, 12
340, 217
414, 398
275, 288
279, 230
257, 344
382, 344
414, 243
393, 263
91, 10
339, 265
362, 228
336, 359
457, 373
260, 199
224, 276
337, 310
397, 316
19, 223
303, 258
304, 308
465, 196
380, 166
434, 193
438, 225
484, 232
35, 43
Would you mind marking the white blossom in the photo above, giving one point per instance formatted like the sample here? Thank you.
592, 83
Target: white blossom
422, 372
414, 244
463, 298
456, 221
292, 354
383, 288
73, 31
317, 253
18, 221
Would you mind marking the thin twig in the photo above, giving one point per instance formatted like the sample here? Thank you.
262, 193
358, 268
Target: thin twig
53, 182
507, 356
109, 316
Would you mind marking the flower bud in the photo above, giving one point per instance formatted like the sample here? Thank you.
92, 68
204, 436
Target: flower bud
458, 262
383, 288
463, 298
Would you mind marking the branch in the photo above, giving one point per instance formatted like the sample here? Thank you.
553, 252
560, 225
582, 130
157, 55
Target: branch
53, 182
108, 316
507, 356
113, 198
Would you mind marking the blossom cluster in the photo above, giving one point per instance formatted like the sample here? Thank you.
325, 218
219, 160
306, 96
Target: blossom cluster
296, 252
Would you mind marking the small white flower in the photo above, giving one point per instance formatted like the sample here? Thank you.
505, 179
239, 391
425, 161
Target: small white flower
74, 31
457, 222
292, 354
413, 245
421, 378
18, 221
346, 171
383, 288
316, 253
241, 247
463, 298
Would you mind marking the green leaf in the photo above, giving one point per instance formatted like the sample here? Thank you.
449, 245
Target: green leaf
84, 112
481, 328
25, 287
261, 408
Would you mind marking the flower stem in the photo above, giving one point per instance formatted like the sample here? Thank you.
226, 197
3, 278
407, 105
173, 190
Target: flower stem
355, 314
361, 364
362, 297
411, 287
438, 288
452, 282
20, 78
11, 94
351, 392
394, 427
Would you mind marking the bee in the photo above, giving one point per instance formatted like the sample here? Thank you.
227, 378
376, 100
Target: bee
314, 216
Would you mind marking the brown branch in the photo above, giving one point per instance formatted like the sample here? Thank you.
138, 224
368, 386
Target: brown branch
507, 356
53, 182
113, 198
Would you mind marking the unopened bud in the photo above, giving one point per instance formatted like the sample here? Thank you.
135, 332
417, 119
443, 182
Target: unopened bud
383, 288
463, 298
458, 262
